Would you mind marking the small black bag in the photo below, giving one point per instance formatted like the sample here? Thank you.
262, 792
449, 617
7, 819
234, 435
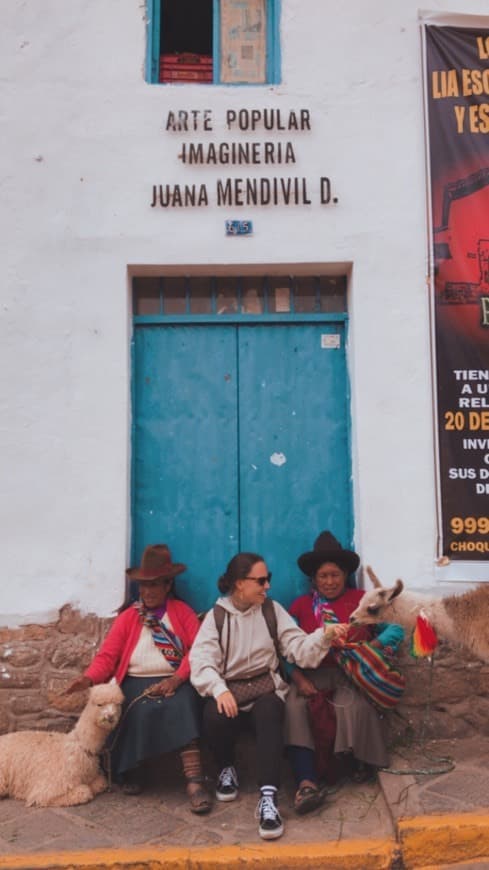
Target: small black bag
249, 689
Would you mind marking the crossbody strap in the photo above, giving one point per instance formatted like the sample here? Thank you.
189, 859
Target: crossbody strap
270, 617
219, 615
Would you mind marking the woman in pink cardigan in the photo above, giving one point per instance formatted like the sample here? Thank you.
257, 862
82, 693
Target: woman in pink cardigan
146, 652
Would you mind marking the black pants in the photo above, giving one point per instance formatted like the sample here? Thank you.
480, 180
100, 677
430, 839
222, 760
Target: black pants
266, 716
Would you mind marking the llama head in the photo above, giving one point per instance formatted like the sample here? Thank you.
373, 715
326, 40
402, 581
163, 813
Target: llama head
375, 604
105, 701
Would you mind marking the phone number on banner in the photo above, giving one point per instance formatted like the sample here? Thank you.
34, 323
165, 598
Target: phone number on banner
469, 525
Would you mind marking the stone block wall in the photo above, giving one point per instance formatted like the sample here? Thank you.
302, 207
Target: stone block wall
38, 661
447, 699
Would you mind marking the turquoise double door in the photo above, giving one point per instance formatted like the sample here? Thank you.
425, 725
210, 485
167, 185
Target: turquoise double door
240, 442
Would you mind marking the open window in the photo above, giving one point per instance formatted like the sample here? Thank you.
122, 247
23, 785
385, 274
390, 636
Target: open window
213, 41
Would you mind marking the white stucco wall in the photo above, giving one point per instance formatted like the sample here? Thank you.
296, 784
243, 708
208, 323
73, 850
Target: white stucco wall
84, 141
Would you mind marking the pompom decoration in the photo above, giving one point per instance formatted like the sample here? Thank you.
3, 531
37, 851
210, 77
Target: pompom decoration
424, 639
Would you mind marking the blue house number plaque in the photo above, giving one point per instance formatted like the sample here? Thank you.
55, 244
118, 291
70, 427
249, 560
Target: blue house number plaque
239, 228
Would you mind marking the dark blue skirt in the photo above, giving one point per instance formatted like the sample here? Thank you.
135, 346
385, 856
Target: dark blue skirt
153, 726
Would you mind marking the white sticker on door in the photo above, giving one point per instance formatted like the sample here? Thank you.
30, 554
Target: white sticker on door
330, 340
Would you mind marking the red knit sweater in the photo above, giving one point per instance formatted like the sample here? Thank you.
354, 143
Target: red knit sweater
301, 610
343, 606
112, 659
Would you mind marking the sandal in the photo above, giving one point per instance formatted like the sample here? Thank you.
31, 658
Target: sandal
364, 773
307, 798
200, 802
131, 788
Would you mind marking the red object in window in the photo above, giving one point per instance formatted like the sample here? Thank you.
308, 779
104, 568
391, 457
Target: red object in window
185, 67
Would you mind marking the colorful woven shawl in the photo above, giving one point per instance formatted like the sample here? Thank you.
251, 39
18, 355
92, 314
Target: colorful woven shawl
368, 668
322, 609
165, 640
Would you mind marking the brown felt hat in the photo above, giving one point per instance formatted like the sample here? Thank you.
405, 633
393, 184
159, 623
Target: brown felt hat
156, 564
328, 549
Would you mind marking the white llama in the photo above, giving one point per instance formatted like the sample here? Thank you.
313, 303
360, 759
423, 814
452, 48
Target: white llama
462, 620
50, 769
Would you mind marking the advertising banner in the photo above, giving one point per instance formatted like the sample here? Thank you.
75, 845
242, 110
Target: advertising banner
457, 119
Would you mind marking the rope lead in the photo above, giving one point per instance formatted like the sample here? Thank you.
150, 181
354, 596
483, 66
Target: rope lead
447, 762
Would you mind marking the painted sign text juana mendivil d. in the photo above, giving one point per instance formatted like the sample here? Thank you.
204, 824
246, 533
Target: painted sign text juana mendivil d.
457, 100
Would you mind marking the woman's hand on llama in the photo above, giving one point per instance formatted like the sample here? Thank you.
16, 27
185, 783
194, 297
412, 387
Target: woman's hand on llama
80, 684
165, 688
303, 684
336, 633
226, 703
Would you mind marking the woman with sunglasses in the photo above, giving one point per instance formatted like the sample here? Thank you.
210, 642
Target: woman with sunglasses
241, 639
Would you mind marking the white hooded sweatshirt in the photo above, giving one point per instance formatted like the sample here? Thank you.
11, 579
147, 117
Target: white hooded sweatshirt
251, 648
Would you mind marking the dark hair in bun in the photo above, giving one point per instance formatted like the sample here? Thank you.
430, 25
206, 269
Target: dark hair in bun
238, 568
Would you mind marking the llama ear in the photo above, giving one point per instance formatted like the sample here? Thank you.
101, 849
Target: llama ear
396, 590
373, 577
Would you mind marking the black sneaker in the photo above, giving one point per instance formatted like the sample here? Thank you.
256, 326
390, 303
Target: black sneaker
227, 785
271, 825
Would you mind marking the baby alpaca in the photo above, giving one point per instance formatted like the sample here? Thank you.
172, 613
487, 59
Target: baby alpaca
458, 619
49, 769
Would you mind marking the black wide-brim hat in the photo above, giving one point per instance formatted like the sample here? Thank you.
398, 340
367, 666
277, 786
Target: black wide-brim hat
328, 549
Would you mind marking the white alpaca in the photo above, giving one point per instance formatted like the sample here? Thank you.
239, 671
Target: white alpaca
50, 769
460, 619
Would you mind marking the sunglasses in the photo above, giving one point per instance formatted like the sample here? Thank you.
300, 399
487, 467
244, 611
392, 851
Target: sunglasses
260, 580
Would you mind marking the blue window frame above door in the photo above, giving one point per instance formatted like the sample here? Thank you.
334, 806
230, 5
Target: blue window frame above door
234, 297
213, 42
